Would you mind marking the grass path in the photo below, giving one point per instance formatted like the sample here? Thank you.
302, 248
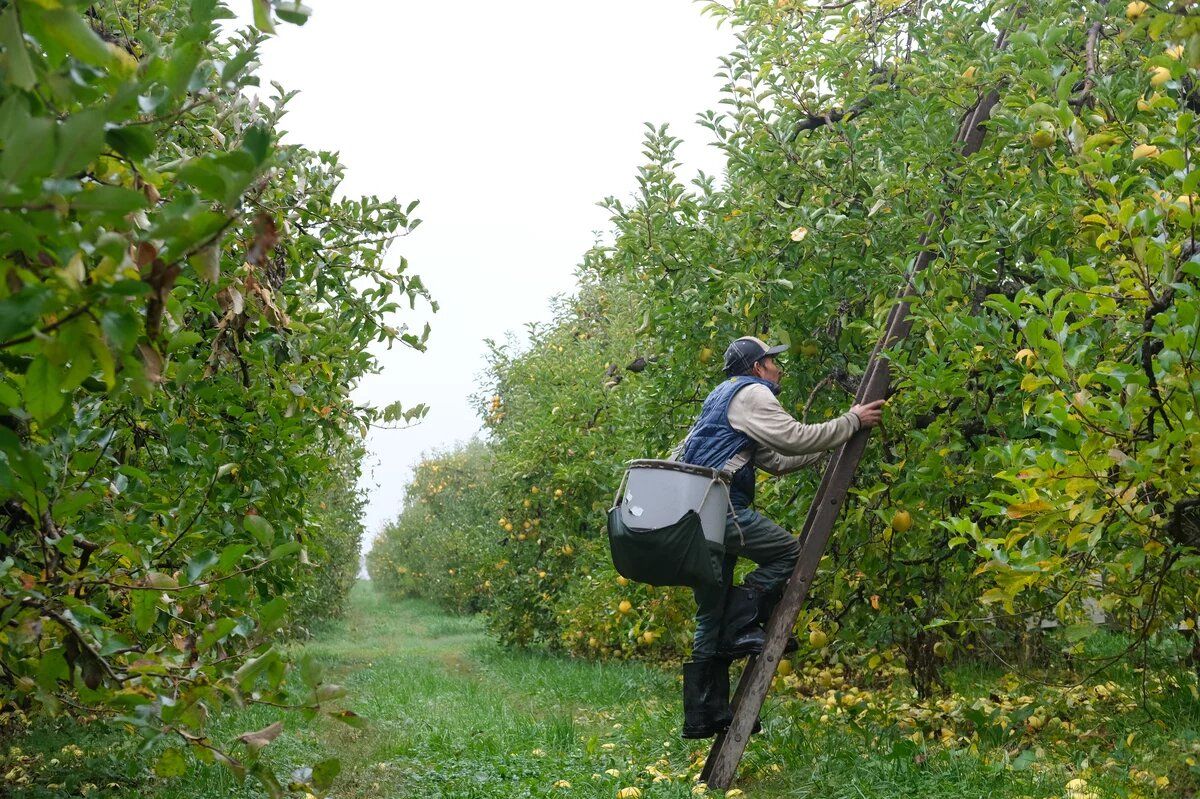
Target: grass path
451, 715
454, 715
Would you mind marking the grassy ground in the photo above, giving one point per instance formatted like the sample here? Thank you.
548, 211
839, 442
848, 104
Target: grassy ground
453, 715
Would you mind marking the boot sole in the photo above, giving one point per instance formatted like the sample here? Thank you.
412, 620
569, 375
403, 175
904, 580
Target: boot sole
746, 651
739, 654
690, 735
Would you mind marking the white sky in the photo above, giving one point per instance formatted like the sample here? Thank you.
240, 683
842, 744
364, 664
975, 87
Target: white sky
508, 121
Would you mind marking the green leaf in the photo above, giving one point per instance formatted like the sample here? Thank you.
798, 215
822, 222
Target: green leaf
1024, 761
70, 505
120, 329
181, 68
9, 397
19, 312
284, 550
903, 750
292, 11
136, 474
133, 141
230, 555
20, 68
183, 340
257, 142
80, 137
236, 66
1077, 632
171, 763
29, 150
310, 670
262, 16
145, 610
1173, 158
215, 632
199, 563
202, 174
51, 668
272, 612
68, 29
350, 718
1186, 562
248, 671
325, 772
113, 199
260, 528
1191, 181
43, 398
102, 356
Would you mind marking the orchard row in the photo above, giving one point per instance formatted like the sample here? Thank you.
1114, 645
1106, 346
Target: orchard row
185, 306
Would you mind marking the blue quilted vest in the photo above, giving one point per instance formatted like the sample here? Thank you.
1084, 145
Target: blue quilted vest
713, 441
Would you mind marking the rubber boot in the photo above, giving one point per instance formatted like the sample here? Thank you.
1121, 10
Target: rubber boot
740, 633
717, 697
697, 721
765, 610
747, 608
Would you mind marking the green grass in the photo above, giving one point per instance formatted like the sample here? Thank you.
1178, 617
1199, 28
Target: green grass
454, 715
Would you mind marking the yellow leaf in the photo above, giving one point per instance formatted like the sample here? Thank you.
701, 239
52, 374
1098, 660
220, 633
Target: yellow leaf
1078, 533
1079, 485
1023, 509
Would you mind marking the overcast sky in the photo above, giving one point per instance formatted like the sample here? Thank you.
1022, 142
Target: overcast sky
509, 122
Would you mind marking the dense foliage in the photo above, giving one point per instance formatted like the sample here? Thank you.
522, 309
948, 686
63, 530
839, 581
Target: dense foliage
1038, 464
185, 306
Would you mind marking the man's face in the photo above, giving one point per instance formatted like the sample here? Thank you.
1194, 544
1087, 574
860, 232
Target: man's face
768, 369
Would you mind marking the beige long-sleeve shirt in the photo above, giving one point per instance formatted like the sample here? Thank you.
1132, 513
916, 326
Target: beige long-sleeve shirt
785, 443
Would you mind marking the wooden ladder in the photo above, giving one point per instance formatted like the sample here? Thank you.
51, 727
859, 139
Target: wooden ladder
721, 765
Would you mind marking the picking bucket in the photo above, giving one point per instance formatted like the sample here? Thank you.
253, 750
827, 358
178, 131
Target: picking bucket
658, 494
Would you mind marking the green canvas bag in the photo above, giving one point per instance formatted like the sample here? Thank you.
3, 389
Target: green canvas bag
677, 554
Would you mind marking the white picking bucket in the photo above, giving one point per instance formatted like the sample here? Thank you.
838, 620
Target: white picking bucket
658, 493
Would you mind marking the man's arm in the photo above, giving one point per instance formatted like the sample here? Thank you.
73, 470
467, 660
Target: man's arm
771, 461
756, 412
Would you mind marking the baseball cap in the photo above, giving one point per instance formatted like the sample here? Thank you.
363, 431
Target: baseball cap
746, 351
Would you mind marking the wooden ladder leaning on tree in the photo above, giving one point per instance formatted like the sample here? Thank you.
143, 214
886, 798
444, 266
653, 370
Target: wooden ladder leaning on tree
727, 750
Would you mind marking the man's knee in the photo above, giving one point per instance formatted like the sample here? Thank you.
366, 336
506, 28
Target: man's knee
791, 551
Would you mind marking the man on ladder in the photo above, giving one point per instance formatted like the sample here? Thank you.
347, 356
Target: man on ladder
741, 427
